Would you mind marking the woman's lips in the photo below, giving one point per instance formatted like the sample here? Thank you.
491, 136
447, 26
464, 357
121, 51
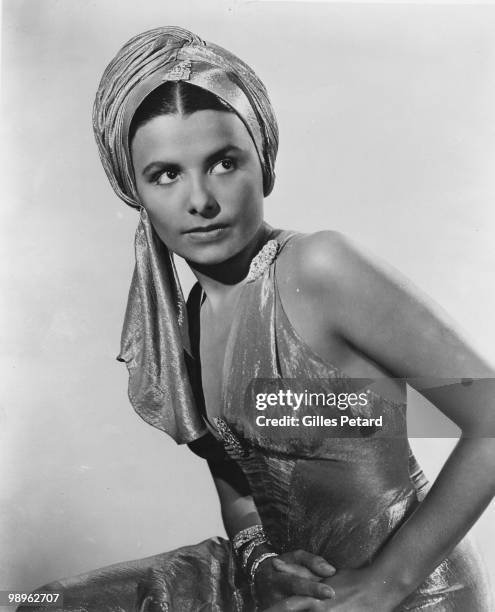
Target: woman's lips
209, 233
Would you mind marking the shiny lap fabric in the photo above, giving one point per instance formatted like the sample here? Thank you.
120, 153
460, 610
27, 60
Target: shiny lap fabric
338, 497
190, 579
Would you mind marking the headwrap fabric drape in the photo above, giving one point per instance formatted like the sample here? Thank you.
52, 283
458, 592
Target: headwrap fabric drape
155, 337
155, 341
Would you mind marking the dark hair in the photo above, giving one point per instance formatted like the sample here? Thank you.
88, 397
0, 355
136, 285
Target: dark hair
174, 97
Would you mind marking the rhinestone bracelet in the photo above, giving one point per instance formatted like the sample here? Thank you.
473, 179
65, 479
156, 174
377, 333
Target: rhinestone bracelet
248, 549
247, 535
257, 562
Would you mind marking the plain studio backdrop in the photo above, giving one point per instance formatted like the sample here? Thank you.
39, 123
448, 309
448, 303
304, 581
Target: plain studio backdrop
386, 114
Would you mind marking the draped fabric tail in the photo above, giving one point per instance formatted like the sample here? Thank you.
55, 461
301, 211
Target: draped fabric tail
155, 350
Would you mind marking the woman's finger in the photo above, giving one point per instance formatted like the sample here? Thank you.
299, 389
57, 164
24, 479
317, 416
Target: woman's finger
297, 603
315, 563
311, 588
295, 569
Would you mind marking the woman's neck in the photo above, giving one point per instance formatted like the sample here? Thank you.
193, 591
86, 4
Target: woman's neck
222, 281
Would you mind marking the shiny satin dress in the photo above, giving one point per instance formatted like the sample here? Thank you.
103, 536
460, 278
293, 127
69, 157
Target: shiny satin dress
339, 493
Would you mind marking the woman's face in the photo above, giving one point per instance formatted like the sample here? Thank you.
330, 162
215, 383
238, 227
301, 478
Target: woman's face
200, 179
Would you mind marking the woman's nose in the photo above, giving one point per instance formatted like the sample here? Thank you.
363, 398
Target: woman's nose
201, 199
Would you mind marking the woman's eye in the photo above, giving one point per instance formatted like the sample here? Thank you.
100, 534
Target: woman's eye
223, 166
165, 178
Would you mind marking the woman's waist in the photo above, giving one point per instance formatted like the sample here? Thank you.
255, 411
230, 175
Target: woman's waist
337, 519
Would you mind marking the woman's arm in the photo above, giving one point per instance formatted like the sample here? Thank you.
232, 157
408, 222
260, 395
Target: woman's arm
383, 317
236, 503
459, 495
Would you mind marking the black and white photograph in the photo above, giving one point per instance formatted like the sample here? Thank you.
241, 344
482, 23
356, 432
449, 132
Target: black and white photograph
248, 346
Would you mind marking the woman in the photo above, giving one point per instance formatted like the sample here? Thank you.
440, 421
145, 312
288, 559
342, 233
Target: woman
320, 517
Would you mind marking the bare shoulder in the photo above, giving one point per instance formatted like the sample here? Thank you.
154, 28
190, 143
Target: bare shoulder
316, 274
317, 250
325, 260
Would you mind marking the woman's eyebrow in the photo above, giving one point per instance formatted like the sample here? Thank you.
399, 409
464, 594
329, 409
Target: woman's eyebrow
222, 153
158, 165
216, 155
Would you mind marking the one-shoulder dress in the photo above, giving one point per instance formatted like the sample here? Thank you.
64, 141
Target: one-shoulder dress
338, 492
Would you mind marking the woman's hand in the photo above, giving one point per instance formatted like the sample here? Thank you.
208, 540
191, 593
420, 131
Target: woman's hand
354, 591
297, 573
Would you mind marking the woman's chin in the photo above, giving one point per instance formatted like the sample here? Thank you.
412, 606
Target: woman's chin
209, 256
207, 262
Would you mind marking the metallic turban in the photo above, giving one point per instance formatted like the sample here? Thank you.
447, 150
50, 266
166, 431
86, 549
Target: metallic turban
155, 341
